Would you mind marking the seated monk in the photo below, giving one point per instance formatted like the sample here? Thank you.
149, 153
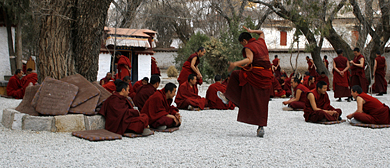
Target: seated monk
211, 95
369, 109
282, 80
317, 106
187, 95
139, 83
306, 77
145, 91
31, 78
287, 86
106, 79
310, 83
282, 73
159, 110
120, 115
299, 99
131, 92
15, 85
324, 78
110, 86
226, 81
277, 90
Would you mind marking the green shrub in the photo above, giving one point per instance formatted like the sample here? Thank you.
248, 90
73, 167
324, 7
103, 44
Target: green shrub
172, 71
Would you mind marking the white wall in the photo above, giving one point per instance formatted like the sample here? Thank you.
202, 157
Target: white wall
144, 66
104, 65
165, 59
5, 66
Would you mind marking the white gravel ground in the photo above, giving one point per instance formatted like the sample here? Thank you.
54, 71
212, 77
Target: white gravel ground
209, 138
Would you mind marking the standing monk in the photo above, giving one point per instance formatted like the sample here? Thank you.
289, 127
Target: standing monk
155, 69
311, 67
120, 115
369, 109
276, 66
124, 66
326, 62
358, 76
15, 85
211, 95
317, 106
191, 67
250, 88
145, 91
380, 67
299, 99
341, 76
187, 95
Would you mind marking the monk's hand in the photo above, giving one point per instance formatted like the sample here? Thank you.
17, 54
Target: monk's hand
342, 73
247, 29
285, 103
350, 116
231, 66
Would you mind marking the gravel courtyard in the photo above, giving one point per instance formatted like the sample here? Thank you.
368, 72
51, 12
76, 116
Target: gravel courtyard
209, 138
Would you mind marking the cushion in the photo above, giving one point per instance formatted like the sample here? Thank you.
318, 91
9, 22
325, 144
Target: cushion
55, 97
331, 122
370, 125
25, 105
104, 94
87, 107
86, 89
97, 135
134, 135
170, 130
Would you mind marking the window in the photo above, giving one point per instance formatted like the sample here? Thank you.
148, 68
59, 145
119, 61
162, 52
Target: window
283, 38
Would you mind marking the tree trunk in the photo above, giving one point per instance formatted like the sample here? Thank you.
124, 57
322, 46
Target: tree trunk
11, 50
88, 30
131, 12
338, 43
19, 46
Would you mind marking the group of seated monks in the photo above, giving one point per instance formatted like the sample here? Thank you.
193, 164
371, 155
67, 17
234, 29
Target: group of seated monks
18, 83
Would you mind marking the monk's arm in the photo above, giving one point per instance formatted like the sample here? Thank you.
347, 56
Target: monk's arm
195, 69
375, 65
360, 101
348, 66
127, 67
312, 100
247, 60
296, 98
335, 68
259, 32
278, 63
361, 64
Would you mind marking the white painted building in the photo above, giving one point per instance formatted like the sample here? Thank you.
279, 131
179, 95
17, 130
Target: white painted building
5, 66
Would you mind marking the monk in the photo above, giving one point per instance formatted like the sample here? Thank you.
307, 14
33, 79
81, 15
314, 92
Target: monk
277, 90
131, 90
250, 88
106, 79
341, 76
15, 85
380, 67
226, 81
311, 66
282, 72
30, 79
191, 67
211, 95
145, 91
287, 87
310, 83
282, 79
324, 78
155, 69
369, 109
306, 77
161, 113
358, 76
276, 66
299, 99
326, 62
187, 95
111, 85
143, 81
120, 115
124, 66
317, 106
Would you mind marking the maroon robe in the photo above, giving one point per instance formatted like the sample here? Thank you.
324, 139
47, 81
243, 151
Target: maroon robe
121, 117
250, 88
287, 86
186, 70
311, 86
213, 101
322, 102
277, 90
325, 79
358, 76
380, 85
374, 112
326, 62
144, 92
157, 107
277, 70
187, 95
30, 78
122, 70
155, 69
305, 79
110, 86
300, 104
312, 69
15, 87
341, 83
225, 82
106, 80
137, 85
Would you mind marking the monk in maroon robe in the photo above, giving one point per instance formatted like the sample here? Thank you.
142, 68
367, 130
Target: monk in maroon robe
324, 78
380, 67
119, 113
187, 96
369, 109
310, 83
145, 91
311, 67
306, 78
139, 83
317, 106
287, 86
124, 66
106, 79
299, 99
15, 85
131, 90
30, 79
276, 66
341, 76
155, 69
250, 88
191, 67
159, 110
211, 95
358, 76
326, 62
226, 81
277, 90
110, 86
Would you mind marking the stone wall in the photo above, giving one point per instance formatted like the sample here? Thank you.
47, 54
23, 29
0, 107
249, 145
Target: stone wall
165, 59
144, 66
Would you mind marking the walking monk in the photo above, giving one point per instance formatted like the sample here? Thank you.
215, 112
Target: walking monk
250, 88
124, 66
145, 91
369, 109
154, 68
317, 106
211, 95
276, 66
187, 95
191, 67
358, 76
380, 67
120, 115
311, 67
299, 99
341, 76
15, 85
159, 110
